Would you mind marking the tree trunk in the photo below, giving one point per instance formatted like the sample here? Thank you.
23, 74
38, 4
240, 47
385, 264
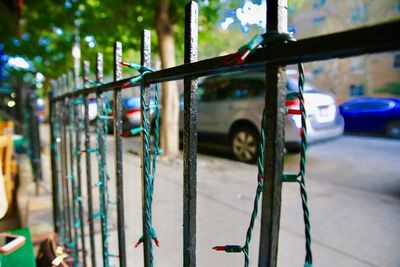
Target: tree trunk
170, 95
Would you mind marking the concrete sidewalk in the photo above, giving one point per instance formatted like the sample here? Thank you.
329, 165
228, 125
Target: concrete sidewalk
350, 227
35, 210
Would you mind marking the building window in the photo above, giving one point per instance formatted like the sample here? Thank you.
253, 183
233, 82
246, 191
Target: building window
318, 70
396, 61
319, 3
356, 90
319, 20
357, 65
359, 14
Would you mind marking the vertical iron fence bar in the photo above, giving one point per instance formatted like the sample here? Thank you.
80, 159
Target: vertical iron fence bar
64, 81
78, 124
146, 213
59, 175
274, 146
89, 184
35, 137
72, 171
60, 188
64, 121
117, 118
103, 176
54, 166
190, 139
77, 70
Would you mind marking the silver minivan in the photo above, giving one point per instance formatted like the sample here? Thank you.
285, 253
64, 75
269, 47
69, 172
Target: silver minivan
231, 106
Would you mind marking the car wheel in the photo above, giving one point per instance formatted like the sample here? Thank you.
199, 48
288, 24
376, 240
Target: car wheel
393, 129
244, 143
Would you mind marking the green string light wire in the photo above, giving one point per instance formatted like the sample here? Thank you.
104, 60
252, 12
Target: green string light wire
271, 37
149, 159
102, 130
79, 128
157, 150
146, 164
260, 186
76, 221
303, 191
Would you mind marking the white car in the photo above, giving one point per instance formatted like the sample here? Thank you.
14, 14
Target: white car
230, 111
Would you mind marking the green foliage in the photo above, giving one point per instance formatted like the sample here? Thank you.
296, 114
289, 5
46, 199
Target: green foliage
107, 21
43, 43
392, 88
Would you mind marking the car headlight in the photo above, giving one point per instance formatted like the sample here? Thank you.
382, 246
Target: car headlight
92, 112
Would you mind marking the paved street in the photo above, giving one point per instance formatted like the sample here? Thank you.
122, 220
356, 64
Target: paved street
354, 195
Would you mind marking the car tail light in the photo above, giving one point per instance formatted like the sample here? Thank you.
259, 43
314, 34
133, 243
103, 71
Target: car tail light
133, 110
293, 106
300, 131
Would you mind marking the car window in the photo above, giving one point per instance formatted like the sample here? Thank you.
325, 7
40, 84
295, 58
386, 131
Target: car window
229, 88
245, 88
217, 90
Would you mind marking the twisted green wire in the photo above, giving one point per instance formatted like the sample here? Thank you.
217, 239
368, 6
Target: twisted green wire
107, 110
149, 159
80, 126
74, 184
157, 150
303, 191
264, 39
101, 130
146, 163
260, 186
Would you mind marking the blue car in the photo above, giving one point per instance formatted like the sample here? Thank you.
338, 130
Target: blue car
372, 115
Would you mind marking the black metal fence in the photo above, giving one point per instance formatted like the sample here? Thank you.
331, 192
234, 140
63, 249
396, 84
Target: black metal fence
70, 123
26, 118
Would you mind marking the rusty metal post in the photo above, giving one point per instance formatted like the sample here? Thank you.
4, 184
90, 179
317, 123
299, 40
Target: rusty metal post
117, 117
274, 146
190, 139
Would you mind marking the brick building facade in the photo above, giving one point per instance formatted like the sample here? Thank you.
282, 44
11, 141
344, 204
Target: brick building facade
354, 76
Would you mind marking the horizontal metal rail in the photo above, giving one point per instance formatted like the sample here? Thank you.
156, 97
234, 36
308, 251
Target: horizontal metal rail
372, 39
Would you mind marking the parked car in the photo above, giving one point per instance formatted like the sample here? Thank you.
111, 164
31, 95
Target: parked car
131, 114
372, 115
231, 106
92, 108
